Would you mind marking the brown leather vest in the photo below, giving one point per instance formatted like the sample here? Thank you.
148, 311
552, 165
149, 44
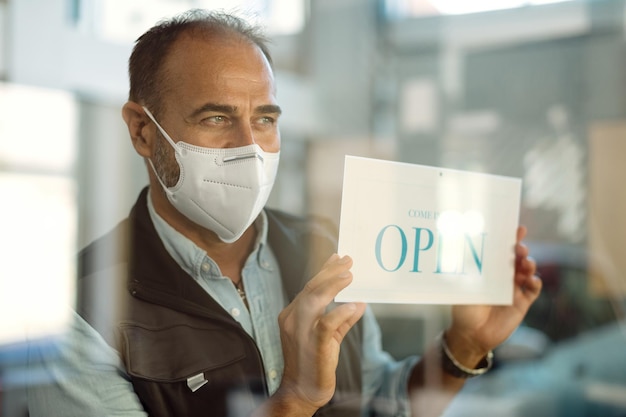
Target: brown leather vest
168, 329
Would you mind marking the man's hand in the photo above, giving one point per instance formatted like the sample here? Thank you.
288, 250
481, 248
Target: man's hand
311, 334
477, 329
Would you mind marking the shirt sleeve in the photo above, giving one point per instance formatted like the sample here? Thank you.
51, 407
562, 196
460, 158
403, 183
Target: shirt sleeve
78, 374
385, 380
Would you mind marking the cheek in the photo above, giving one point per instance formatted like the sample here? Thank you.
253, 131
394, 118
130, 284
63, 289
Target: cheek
270, 142
165, 163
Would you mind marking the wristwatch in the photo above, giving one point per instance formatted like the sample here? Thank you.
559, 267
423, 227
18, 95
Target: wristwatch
453, 367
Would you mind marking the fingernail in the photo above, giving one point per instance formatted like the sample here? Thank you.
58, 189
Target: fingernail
344, 274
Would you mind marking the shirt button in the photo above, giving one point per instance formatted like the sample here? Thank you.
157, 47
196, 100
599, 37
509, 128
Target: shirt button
265, 264
273, 374
235, 312
206, 267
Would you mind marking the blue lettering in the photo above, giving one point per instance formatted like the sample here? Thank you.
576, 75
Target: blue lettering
379, 241
449, 251
418, 248
478, 261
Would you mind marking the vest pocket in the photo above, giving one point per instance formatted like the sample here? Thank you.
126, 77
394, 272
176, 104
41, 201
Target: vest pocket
187, 370
178, 352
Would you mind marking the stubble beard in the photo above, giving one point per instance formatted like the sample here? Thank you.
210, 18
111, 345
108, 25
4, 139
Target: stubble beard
165, 163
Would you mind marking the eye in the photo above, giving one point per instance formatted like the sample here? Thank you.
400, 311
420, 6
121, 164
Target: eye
266, 121
215, 120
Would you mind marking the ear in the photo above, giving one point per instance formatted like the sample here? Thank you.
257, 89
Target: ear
142, 131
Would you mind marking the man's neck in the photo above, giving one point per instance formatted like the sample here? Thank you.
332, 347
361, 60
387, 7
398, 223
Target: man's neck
230, 257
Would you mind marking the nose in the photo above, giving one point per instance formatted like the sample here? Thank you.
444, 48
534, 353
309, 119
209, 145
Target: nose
245, 135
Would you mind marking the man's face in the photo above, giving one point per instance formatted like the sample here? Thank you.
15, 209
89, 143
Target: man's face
217, 93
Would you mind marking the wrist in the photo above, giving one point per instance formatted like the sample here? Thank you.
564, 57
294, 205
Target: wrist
286, 402
464, 347
461, 358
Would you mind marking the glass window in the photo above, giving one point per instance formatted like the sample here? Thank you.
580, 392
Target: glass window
122, 21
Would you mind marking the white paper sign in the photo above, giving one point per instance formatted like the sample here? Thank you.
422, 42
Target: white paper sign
427, 235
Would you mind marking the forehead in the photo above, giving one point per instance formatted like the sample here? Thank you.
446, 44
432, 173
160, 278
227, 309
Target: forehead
215, 63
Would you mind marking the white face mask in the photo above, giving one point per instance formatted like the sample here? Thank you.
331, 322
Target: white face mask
221, 189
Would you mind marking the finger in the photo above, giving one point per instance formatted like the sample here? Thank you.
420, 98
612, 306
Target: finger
333, 277
526, 266
525, 274
337, 322
524, 271
322, 289
521, 250
521, 233
344, 328
533, 285
527, 293
333, 258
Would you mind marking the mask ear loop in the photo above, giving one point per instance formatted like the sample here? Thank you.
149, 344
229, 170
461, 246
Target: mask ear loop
169, 139
163, 132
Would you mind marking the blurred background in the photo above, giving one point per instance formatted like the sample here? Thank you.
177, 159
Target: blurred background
534, 89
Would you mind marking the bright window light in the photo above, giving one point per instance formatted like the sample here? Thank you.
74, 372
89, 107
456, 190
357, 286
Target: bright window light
38, 215
37, 129
463, 7
37, 273
415, 8
123, 21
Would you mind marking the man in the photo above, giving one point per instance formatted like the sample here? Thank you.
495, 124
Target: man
225, 308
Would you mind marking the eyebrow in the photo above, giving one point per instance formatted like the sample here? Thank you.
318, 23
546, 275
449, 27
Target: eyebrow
228, 109
221, 108
268, 108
